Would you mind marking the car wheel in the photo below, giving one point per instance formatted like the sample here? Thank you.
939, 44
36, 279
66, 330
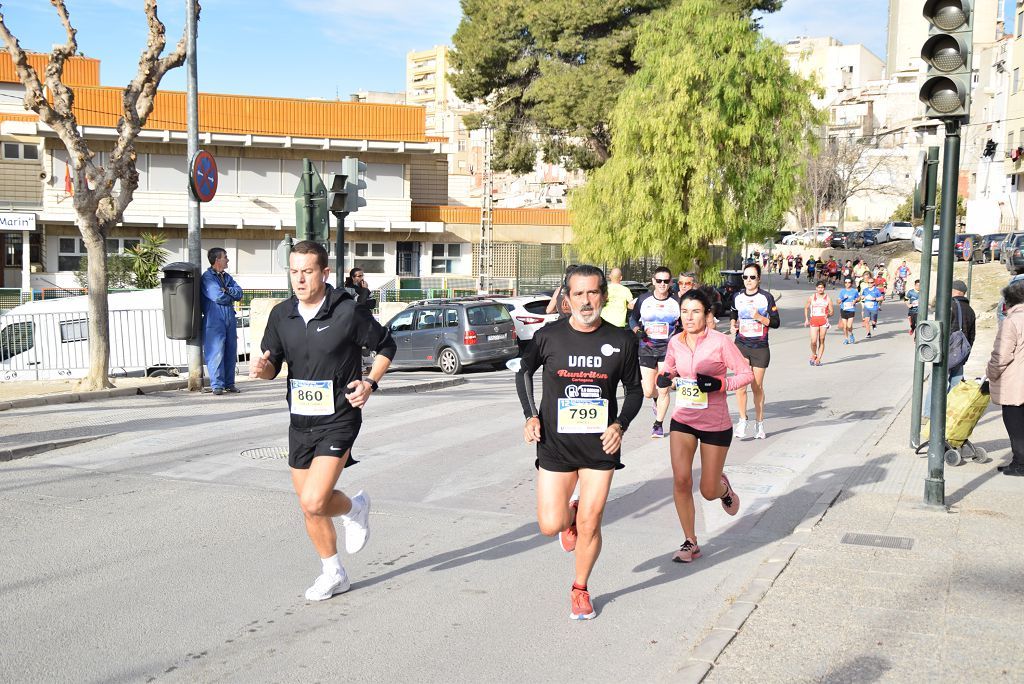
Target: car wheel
449, 361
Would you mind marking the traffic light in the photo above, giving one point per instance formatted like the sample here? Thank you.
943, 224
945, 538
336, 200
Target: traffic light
929, 341
338, 194
990, 148
946, 92
355, 174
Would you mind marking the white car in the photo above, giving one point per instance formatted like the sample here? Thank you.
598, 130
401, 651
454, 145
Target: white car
819, 236
794, 238
895, 230
919, 240
528, 314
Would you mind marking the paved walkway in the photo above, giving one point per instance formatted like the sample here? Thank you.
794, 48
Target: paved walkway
950, 608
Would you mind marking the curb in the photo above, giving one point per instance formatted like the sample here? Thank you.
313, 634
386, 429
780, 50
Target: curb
706, 653
76, 397
24, 450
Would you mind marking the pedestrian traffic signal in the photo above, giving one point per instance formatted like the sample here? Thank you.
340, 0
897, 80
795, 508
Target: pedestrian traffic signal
355, 174
946, 92
338, 194
929, 341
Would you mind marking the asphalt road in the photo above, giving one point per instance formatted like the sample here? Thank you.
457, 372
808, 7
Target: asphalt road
169, 550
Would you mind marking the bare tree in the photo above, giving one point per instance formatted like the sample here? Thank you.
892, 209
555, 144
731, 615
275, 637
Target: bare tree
101, 193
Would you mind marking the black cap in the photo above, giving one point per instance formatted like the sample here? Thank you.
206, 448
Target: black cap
960, 285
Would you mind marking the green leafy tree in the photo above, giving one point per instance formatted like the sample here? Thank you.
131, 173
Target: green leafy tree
119, 272
551, 70
904, 211
146, 259
709, 141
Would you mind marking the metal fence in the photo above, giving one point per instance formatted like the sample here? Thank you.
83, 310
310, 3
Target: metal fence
56, 345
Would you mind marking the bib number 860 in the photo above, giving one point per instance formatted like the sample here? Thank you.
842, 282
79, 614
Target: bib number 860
310, 395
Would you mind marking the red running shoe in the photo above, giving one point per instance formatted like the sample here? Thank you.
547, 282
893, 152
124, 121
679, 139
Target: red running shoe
731, 500
567, 537
582, 608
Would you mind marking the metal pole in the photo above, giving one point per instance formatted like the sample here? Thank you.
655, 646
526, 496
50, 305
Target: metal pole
339, 246
926, 276
970, 275
935, 484
307, 182
195, 242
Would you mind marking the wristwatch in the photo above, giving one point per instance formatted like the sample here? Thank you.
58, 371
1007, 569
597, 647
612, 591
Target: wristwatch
373, 384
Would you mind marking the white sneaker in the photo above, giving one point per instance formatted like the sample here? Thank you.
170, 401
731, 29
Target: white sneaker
741, 429
357, 528
759, 430
327, 585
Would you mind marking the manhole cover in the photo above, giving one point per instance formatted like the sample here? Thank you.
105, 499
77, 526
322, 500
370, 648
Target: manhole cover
880, 540
264, 453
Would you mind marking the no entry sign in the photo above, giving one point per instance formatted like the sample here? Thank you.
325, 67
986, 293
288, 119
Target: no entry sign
203, 176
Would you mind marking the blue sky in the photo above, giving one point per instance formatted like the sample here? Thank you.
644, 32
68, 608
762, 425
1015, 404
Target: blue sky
329, 48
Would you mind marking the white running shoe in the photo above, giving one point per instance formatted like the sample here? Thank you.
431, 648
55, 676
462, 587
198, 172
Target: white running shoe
357, 528
327, 585
759, 430
741, 429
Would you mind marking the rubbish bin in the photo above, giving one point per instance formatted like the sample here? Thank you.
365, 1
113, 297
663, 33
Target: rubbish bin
183, 313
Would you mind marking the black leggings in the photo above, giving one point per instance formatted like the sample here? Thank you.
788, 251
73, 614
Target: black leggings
1013, 419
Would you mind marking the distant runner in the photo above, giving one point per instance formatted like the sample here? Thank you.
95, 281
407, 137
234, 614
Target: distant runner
847, 299
870, 297
698, 361
913, 301
817, 312
578, 427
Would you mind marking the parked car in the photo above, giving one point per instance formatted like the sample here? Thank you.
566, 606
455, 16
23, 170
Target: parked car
895, 230
841, 240
958, 245
793, 238
453, 333
1004, 245
636, 288
919, 241
862, 238
820, 235
732, 282
528, 314
1013, 253
988, 247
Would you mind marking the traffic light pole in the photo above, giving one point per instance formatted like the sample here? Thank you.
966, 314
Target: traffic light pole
931, 179
935, 484
307, 179
339, 246
194, 346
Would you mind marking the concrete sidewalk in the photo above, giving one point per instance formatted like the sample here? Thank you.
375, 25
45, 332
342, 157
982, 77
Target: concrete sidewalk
949, 606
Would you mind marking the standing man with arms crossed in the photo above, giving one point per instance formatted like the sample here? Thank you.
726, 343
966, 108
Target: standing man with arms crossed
754, 311
320, 333
578, 426
654, 319
220, 334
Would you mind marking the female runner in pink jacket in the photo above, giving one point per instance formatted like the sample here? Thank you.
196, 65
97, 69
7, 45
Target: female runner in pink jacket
696, 363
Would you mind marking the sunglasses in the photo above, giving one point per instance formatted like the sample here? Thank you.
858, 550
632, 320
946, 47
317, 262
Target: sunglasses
663, 282
753, 277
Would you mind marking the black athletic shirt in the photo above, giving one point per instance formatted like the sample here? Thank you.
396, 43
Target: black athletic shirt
579, 365
329, 347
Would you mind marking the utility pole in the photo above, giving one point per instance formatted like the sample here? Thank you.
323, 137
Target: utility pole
929, 179
486, 215
195, 242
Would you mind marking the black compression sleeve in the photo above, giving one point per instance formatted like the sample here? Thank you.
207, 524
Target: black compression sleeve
524, 378
634, 396
773, 312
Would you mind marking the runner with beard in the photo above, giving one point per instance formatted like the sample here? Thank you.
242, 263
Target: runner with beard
578, 426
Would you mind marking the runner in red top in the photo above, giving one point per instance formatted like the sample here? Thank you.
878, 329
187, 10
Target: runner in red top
696, 362
817, 312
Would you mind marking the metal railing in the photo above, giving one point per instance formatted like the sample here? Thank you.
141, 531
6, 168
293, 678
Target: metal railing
56, 345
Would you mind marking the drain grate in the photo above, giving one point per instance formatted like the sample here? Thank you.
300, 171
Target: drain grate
265, 453
880, 540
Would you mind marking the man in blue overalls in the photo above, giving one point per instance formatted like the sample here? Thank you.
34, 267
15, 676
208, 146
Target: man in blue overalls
220, 335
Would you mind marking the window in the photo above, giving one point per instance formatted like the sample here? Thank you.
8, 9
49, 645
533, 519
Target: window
120, 245
369, 256
385, 180
74, 331
429, 319
445, 257
20, 151
487, 315
259, 176
1016, 79
1020, 22
1009, 142
69, 253
402, 322
168, 173
16, 338
462, 146
12, 249
451, 318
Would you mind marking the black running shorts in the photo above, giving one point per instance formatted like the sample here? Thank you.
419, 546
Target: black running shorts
651, 358
759, 357
333, 440
564, 463
722, 438
847, 314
